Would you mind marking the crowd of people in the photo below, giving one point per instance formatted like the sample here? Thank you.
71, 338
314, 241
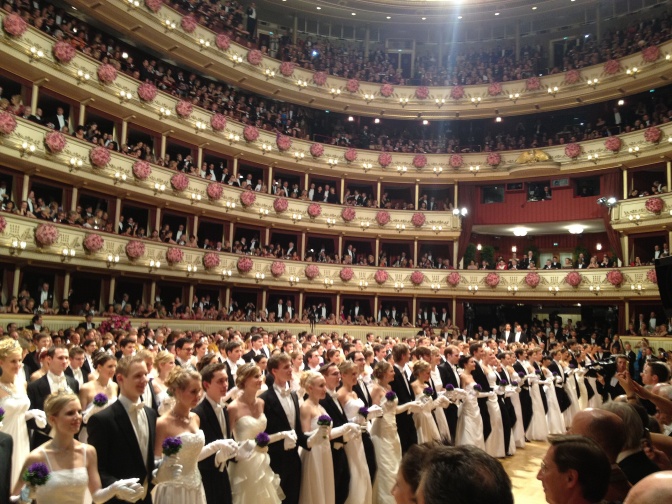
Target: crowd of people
173, 416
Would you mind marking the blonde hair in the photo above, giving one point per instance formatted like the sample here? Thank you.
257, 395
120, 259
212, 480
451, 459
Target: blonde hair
179, 379
308, 378
420, 366
246, 371
381, 368
163, 357
8, 347
346, 366
54, 403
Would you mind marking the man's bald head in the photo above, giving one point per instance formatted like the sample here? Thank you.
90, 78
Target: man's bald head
604, 427
656, 488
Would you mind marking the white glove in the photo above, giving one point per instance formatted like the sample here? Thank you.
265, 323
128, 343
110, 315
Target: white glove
227, 451
353, 431
416, 407
92, 409
318, 436
245, 450
273, 438
348, 431
558, 379
441, 402
127, 490
375, 411
39, 416
290, 440
168, 470
500, 390
481, 395
225, 445
408, 407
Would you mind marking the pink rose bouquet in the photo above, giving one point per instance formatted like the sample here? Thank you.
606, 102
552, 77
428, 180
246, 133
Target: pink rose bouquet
147, 91
7, 123
93, 242
211, 260
422, 92
107, 74
222, 41
64, 52
651, 276
245, 264
532, 279
572, 150
494, 159
651, 54
533, 84
456, 160
613, 144
320, 78
14, 25
352, 85
250, 133
419, 161
55, 141
154, 5
215, 190
454, 278
247, 198
284, 143
189, 24
100, 157
386, 90
384, 159
348, 214
350, 155
312, 271
492, 280
417, 277
277, 268
174, 255
382, 217
184, 108
457, 93
418, 219
654, 205
615, 278
381, 276
287, 68
572, 76
46, 235
653, 134
495, 89
612, 67
254, 57
346, 274
218, 122
314, 210
316, 150
142, 170
573, 279
3, 224
179, 181
135, 249
280, 205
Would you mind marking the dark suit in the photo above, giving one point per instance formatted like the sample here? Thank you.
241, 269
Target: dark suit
405, 425
448, 377
38, 391
512, 337
216, 484
6, 483
85, 374
637, 467
525, 399
508, 411
285, 463
232, 379
86, 325
341, 469
363, 393
31, 363
482, 380
111, 433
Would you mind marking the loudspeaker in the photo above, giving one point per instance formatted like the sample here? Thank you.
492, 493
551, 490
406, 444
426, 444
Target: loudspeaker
664, 275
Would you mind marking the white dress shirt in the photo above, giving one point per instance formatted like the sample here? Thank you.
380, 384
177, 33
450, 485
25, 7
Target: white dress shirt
219, 412
138, 419
285, 398
57, 383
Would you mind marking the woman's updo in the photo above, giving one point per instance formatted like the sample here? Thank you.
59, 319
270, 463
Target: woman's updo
346, 367
163, 357
246, 371
8, 347
101, 358
420, 366
381, 369
180, 378
54, 403
308, 378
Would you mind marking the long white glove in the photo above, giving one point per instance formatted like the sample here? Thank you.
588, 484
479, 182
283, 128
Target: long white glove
91, 409
168, 470
226, 453
348, 431
481, 395
289, 438
558, 379
441, 402
245, 450
375, 411
409, 407
319, 436
39, 416
127, 490
225, 445
500, 390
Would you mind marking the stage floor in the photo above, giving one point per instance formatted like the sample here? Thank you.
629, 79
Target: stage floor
522, 468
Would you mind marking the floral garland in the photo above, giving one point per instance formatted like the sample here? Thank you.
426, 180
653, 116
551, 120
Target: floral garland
613, 144
14, 25
348, 214
189, 24
223, 42
210, 260
154, 5
573, 279
352, 85
381, 276
454, 278
382, 217
419, 161
417, 277
533, 84
651, 54
147, 91
64, 52
7, 123
386, 90
350, 155
653, 134
287, 68
615, 278
280, 205
174, 255
316, 150
346, 274
494, 159
314, 210
46, 234
384, 159
107, 74
492, 280
612, 67
247, 198
422, 92
115, 323
254, 57
572, 76
100, 156
312, 271
184, 108
532, 279
418, 219
93, 242
457, 93
218, 122
250, 133
179, 181
245, 264
456, 160
277, 268
495, 89
142, 169
572, 150
655, 205
651, 276
135, 249
55, 141
284, 143
320, 78
214, 190
3, 224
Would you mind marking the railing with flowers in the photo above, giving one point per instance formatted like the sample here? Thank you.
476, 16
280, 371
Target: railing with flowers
642, 212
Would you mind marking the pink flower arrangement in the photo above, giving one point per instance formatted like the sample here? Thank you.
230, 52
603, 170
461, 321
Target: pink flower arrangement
287, 68
654, 205
222, 41
179, 181
135, 249
346, 274
174, 255
284, 143
184, 108
615, 278
572, 150
651, 54
250, 133
254, 57
418, 219
55, 141
532, 279
422, 92
7, 123
142, 170
653, 134
154, 5
218, 122
384, 159
456, 160
64, 52
107, 74
494, 159
314, 210
420, 161
381, 276
247, 198
457, 93
573, 279
382, 217
3, 224
613, 144
352, 85
147, 92
320, 78
189, 24
533, 84
280, 205
348, 214
93, 242
115, 323
245, 264
277, 268
495, 89
215, 190
46, 235
350, 155
651, 276
454, 278
210, 260
612, 67
14, 25
100, 157
316, 150
492, 280
572, 76
312, 271
386, 90
417, 277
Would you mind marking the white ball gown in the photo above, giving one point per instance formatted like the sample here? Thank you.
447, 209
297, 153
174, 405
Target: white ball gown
538, 428
424, 420
469, 422
252, 480
317, 470
570, 389
64, 486
554, 417
494, 445
15, 405
513, 392
188, 488
361, 490
387, 447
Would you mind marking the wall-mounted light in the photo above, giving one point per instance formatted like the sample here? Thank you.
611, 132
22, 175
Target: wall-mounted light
474, 169
269, 73
435, 287
230, 205
302, 83
191, 269
266, 147
226, 273
634, 150
299, 155
258, 277
133, 3
36, 53
460, 212
293, 280
514, 97
328, 282
440, 102
595, 289
263, 212
635, 218
368, 97
237, 59
479, 247
168, 24
164, 112
203, 43
437, 229
195, 198
593, 82
475, 101
553, 289
83, 76
437, 170
632, 71
576, 229
638, 288
593, 158
119, 177
159, 188
296, 217
512, 289
398, 286
332, 162
330, 222
363, 284
154, 264
75, 163
402, 169
364, 225
367, 166
335, 92
473, 288
403, 102
519, 231
598, 246
27, 148
514, 249
200, 126
553, 90
125, 95
400, 228
112, 259
16, 246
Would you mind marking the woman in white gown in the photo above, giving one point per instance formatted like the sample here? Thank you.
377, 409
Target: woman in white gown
164, 363
494, 445
538, 428
514, 389
72, 466
317, 465
360, 479
554, 418
570, 389
384, 434
252, 479
439, 413
105, 366
591, 377
469, 423
425, 424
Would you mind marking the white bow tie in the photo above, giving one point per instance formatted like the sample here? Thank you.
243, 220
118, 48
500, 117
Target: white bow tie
137, 408
283, 392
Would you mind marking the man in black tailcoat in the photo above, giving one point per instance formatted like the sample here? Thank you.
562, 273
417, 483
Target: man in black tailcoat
401, 386
525, 399
478, 353
449, 376
362, 392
